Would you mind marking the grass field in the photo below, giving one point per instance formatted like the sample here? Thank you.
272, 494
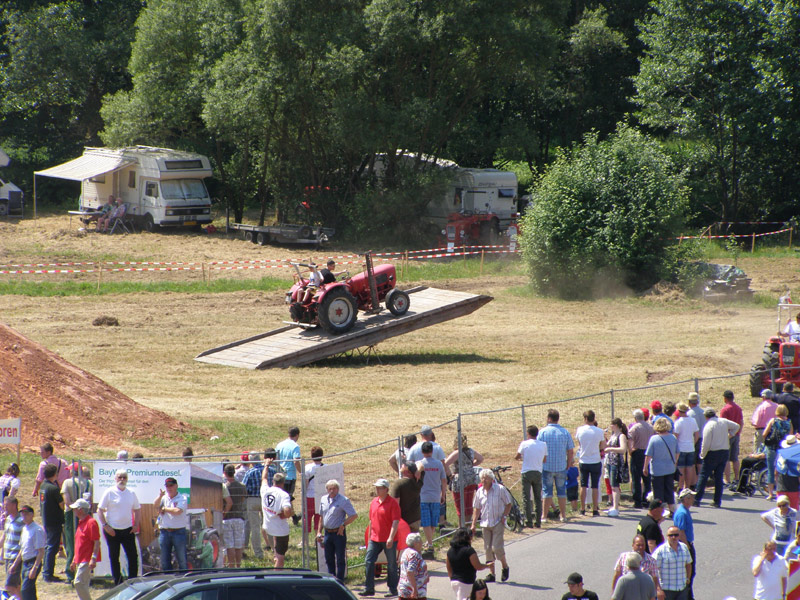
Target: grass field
519, 349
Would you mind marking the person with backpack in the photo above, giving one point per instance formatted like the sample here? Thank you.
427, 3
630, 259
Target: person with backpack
774, 433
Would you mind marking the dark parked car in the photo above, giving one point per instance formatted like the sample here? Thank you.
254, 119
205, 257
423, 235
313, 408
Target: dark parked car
232, 584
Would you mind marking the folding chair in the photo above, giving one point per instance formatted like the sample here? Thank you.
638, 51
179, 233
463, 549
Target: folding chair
118, 220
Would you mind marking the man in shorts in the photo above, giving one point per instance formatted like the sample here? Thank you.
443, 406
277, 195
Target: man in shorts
433, 492
234, 499
277, 506
591, 442
560, 451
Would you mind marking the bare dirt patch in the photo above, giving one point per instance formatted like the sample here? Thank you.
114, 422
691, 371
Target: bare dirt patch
67, 405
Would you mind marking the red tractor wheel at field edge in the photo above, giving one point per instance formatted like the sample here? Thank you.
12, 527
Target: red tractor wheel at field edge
780, 360
335, 306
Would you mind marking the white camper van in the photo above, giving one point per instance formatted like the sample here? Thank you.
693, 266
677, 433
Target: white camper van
161, 187
475, 191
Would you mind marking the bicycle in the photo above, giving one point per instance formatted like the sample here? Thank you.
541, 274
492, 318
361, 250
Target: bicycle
514, 519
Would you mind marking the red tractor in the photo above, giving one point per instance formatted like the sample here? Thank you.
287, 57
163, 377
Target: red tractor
780, 360
469, 229
335, 306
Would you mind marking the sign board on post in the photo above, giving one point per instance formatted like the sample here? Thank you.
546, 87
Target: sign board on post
11, 433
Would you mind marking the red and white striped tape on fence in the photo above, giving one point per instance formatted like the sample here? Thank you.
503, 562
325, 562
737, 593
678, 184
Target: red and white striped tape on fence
737, 235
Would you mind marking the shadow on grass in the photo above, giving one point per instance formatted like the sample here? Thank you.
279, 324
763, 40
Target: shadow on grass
365, 359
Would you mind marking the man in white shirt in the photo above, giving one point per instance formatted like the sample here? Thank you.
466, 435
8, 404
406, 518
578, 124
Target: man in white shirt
491, 505
591, 441
120, 513
792, 330
277, 507
174, 521
771, 574
533, 455
714, 452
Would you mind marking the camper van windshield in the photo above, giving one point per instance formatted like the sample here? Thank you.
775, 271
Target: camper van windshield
182, 189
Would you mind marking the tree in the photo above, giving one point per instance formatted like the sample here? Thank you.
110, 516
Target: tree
602, 216
57, 61
697, 81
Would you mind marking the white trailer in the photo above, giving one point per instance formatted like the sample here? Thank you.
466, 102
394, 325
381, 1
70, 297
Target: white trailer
160, 186
478, 191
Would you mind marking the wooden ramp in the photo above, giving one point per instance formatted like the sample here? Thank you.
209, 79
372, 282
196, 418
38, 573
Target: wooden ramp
292, 346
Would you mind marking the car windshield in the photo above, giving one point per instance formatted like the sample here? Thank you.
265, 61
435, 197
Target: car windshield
131, 589
183, 189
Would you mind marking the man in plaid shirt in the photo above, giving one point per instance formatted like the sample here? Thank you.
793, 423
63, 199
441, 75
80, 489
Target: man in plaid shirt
648, 565
560, 451
674, 566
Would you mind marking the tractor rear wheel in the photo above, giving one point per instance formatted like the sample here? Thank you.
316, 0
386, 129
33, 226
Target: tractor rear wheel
397, 301
338, 311
757, 380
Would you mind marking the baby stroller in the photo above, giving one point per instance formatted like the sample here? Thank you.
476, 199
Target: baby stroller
753, 476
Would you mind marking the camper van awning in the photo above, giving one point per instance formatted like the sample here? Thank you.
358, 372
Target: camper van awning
85, 167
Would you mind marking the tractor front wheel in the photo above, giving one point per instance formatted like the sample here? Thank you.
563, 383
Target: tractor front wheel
760, 379
397, 301
338, 311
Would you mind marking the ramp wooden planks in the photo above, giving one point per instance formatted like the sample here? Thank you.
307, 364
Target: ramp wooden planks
292, 346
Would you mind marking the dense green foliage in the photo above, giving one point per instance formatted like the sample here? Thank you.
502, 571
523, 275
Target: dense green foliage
602, 217
288, 96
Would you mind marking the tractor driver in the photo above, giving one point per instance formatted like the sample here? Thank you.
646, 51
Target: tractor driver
328, 276
314, 281
792, 330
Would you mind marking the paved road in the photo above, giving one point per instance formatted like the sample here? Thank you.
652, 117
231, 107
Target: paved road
726, 540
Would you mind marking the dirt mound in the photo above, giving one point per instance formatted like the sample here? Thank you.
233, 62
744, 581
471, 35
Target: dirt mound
64, 404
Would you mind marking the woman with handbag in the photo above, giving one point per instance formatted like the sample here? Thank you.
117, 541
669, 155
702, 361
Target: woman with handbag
660, 460
774, 433
617, 462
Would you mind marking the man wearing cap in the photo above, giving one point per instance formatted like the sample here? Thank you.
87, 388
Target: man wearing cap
277, 506
682, 519
576, 592
10, 543
647, 565
658, 413
714, 452
120, 513
687, 433
337, 513
792, 402
234, 497
639, 435
762, 415
87, 547
173, 523
783, 521
77, 485
650, 525
252, 483
384, 519
414, 454
243, 467
491, 505
560, 454
697, 414
31, 554
674, 565
407, 491
732, 412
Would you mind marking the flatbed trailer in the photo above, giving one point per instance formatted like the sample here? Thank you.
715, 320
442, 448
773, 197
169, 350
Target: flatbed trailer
293, 346
283, 233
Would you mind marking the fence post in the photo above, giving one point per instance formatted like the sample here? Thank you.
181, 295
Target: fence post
791, 229
697, 386
460, 479
772, 380
753, 244
305, 515
524, 424
612, 402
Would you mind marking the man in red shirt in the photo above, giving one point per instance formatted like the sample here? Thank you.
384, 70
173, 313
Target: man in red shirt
384, 519
732, 412
87, 547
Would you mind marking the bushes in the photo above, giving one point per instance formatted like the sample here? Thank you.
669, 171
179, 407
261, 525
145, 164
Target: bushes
603, 216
